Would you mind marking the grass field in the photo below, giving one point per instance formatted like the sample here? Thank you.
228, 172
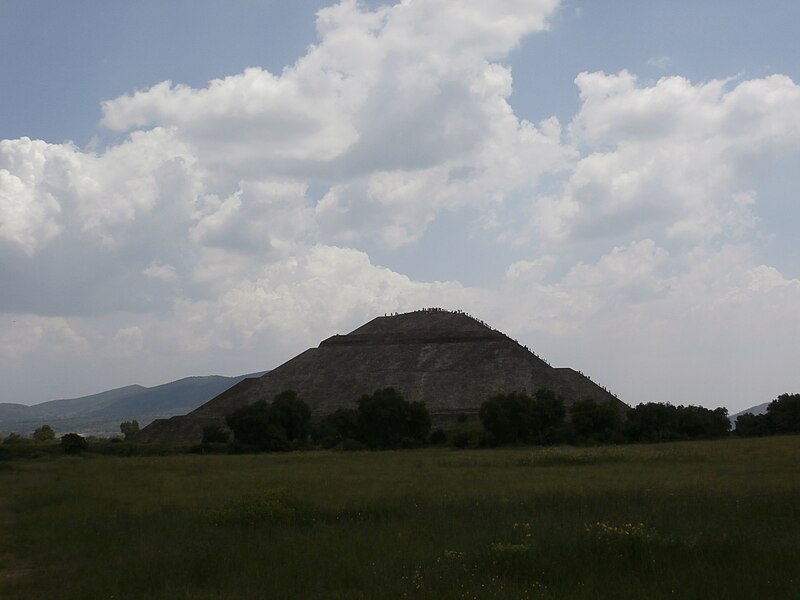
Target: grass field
686, 520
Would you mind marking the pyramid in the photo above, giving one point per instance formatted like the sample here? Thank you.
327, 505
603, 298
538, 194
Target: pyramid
447, 359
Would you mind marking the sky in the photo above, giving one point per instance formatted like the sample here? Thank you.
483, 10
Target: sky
199, 187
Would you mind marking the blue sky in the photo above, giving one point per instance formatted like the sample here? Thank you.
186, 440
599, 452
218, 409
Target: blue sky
612, 183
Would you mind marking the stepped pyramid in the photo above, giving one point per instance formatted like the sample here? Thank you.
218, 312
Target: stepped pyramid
450, 360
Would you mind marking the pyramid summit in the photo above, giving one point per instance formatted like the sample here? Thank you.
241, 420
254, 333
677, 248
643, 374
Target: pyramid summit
447, 359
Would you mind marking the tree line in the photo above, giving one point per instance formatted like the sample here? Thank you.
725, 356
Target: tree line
384, 419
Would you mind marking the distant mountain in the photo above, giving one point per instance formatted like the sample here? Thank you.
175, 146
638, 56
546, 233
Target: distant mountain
101, 414
753, 410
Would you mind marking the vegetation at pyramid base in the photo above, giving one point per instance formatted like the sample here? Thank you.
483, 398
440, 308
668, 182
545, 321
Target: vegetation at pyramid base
72, 443
44, 433
271, 426
129, 428
782, 416
384, 419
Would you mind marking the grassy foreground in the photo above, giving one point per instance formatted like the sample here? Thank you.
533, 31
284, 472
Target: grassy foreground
686, 520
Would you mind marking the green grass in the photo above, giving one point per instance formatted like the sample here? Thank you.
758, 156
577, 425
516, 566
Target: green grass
687, 520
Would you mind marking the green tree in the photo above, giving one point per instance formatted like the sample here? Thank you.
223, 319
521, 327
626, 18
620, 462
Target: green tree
784, 414
507, 417
128, 428
272, 426
336, 427
652, 422
548, 413
72, 443
14, 438
517, 418
251, 424
595, 421
698, 422
419, 421
750, 425
386, 420
292, 414
214, 434
44, 433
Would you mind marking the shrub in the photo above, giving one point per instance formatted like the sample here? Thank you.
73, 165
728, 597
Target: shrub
438, 436
15, 438
129, 428
214, 434
515, 417
72, 443
292, 414
784, 414
271, 427
351, 445
753, 425
44, 433
595, 422
386, 420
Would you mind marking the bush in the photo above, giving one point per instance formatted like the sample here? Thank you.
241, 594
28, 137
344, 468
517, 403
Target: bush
386, 420
271, 427
516, 418
753, 425
595, 422
72, 443
784, 414
15, 438
44, 433
463, 440
351, 445
438, 436
214, 434
129, 428
658, 422
292, 414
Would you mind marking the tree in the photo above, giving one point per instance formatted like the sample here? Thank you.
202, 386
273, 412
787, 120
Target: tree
72, 443
44, 433
507, 417
15, 438
753, 425
336, 427
652, 422
658, 422
251, 424
386, 420
548, 414
698, 422
595, 421
419, 421
271, 426
784, 414
214, 434
291, 413
128, 428
516, 418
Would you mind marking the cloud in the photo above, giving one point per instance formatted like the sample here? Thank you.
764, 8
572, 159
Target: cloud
669, 160
406, 93
659, 62
226, 231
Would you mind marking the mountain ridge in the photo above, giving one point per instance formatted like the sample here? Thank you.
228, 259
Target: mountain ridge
102, 412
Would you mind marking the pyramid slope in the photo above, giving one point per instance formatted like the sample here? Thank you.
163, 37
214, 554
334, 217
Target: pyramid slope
448, 360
